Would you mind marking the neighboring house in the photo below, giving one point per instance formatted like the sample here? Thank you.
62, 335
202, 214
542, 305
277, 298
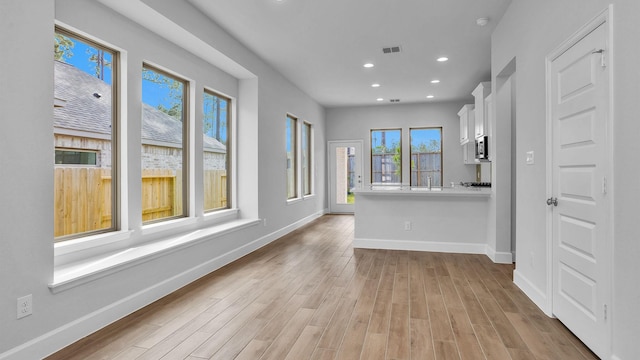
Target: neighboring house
82, 123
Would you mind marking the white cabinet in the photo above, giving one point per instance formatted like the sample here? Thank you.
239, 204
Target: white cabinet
467, 116
466, 123
481, 119
469, 153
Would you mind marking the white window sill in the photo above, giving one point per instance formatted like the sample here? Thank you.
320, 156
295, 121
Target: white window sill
73, 274
88, 242
167, 225
309, 196
293, 201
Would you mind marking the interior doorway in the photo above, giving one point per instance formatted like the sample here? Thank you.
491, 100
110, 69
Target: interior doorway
505, 110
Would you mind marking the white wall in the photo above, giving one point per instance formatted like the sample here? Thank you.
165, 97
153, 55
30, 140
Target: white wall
355, 123
528, 32
26, 160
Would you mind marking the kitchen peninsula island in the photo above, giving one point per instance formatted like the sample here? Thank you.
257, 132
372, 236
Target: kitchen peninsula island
421, 219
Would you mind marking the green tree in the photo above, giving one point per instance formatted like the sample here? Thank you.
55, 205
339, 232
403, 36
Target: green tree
97, 56
397, 158
62, 47
175, 92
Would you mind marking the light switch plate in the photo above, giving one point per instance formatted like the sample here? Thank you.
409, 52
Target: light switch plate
530, 160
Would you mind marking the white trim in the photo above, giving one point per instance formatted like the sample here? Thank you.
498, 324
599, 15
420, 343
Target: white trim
67, 334
460, 248
536, 295
80, 272
499, 257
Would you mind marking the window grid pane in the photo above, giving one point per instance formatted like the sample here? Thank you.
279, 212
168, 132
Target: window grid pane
84, 169
292, 158
306, 158
163, 140
426, 156
216, 151
386, 156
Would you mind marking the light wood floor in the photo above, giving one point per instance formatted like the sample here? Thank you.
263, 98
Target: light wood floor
310, 295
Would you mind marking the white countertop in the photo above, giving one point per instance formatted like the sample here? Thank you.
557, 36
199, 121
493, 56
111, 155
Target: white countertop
423, 191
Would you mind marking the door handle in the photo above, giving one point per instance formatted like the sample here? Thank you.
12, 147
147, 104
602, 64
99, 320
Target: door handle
552, 201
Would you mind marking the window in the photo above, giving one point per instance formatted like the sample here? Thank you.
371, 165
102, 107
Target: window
163, 142
306, 158
84, 127
426, 156
71, 157
386, 156
292, 157
217, 115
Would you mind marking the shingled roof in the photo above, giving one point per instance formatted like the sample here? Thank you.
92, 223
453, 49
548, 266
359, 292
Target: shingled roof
85, 105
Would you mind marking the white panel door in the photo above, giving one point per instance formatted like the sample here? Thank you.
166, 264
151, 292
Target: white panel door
345, 174
580, 160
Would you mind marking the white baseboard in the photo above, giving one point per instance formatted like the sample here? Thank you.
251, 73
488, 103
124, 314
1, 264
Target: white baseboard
499, 257
462, 248
538, 297
73, 331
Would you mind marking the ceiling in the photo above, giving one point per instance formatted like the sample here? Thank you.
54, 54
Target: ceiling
322, 45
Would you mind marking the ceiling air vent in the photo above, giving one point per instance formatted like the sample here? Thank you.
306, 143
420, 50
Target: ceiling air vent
391, 49
394, 100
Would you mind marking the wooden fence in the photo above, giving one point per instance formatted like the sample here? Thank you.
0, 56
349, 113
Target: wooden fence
423, 164
215, 189
82, 200
159, 196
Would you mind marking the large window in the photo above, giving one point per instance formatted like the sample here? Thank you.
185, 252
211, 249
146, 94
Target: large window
386, 156
426, 156
216, 148
292, 157
84, 128
163, 145
306, 158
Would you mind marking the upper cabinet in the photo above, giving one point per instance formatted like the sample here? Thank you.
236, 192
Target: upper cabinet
467, 127
466, 123
481, 116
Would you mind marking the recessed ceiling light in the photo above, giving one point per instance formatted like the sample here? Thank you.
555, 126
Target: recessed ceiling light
443, 59
368, 65
435, 81
379, 99
482, 21
375, 85
430, 96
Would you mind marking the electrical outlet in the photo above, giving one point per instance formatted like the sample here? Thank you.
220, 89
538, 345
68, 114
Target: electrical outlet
407, 225
530, 159
264, 222
25, 306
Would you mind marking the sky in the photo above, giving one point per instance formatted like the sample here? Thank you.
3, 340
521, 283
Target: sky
152, 94
418, 136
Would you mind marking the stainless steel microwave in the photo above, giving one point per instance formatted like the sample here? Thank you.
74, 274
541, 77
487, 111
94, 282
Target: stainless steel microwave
482, 148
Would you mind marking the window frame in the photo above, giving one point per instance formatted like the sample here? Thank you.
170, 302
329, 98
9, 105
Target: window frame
186, 141
371, 157
229, 156
308, 183
116, 183
75, 150
294, 159
411, 152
